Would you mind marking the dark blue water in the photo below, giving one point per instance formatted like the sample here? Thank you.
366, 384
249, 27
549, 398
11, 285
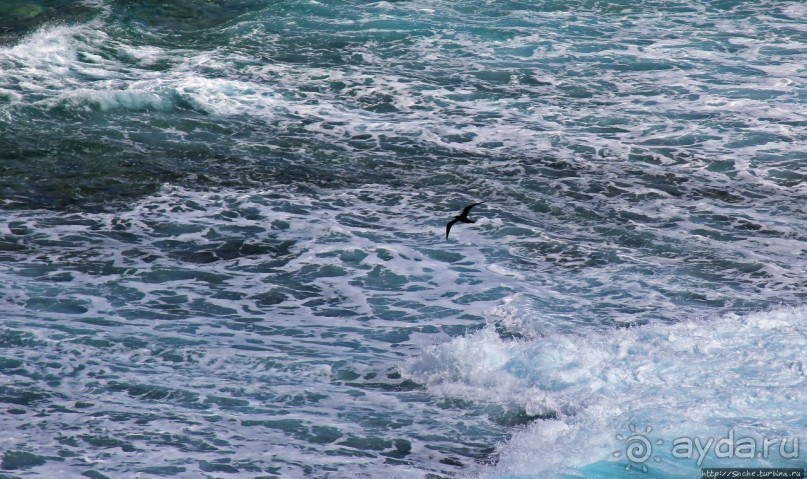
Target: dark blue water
223, 253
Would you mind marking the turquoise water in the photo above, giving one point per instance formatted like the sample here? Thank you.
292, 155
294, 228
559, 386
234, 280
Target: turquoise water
223, 253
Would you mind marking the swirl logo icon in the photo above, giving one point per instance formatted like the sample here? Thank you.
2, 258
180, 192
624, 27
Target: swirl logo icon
638, 448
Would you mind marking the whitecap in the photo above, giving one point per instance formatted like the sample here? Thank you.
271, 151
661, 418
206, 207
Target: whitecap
697, 378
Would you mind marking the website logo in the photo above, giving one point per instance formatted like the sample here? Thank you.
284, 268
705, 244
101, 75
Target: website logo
638, 448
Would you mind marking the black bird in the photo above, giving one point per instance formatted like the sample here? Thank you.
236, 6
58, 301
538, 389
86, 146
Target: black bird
462, 217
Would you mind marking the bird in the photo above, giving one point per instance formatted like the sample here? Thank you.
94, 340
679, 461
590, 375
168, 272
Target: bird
462, 217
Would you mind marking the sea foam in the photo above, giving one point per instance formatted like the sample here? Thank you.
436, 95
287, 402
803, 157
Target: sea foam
697, 379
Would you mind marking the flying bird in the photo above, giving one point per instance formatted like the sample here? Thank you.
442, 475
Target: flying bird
462, 217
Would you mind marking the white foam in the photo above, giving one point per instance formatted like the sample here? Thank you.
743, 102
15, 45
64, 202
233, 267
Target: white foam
68, 65
43, 64
697, 378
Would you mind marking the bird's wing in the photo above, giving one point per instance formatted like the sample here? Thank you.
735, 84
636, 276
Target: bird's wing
468, 208
449, 225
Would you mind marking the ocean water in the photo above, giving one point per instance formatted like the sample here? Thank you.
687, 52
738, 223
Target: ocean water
222, 247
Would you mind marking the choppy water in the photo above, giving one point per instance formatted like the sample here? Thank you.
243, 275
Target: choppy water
222, 246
